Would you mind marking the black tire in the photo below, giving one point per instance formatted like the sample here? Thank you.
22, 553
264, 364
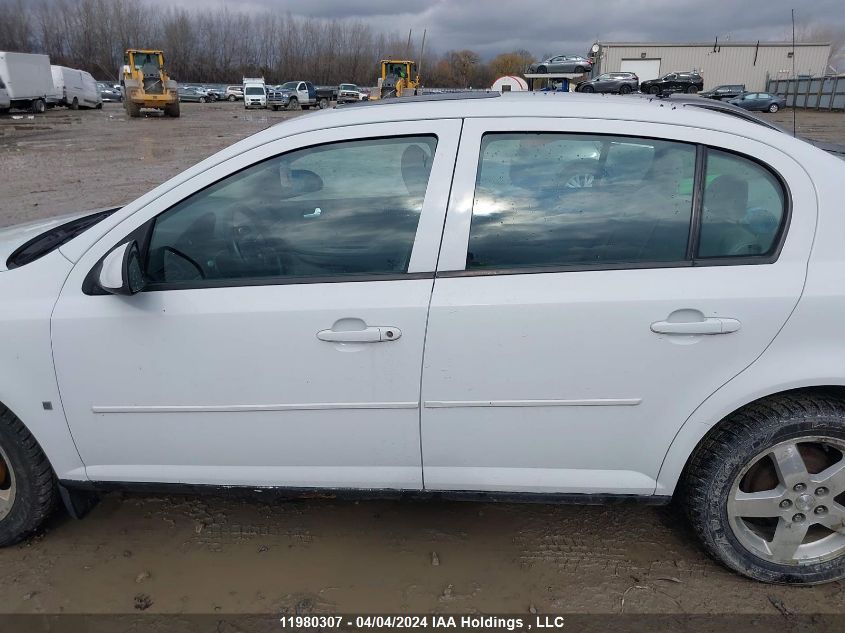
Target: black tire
306, 107
732, 447
586, 89
293, 104
580, 70
774, 108
4, 110
132, 109
624, 89
655, 90
324, 103
99, 106
39, 106
74, 105
541, 70
232, 98
34, 482
692, 90
173, 110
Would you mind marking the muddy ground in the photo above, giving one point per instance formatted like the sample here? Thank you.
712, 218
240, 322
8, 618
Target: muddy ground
173, 554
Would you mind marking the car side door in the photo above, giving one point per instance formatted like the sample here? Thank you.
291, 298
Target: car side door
279, 338
573, 329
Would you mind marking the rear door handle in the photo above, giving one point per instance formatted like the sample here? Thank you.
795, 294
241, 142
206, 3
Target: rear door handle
373, 334
705, 326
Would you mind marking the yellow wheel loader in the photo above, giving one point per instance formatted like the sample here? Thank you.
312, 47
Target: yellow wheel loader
398, 78
146, 85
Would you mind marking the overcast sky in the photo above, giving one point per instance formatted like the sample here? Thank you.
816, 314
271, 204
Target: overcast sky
557, 26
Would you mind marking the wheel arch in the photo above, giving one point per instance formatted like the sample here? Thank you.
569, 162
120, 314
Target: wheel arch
710, 417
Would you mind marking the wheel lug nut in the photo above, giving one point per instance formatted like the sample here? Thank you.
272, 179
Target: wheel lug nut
822, 491
799, 487
820, 510
785, 503
798, 518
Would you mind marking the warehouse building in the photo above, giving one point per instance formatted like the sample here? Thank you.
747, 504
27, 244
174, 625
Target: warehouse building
749, 63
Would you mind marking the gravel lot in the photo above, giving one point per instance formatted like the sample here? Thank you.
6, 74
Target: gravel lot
228, 555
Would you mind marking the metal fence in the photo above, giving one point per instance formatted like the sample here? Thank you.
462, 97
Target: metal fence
816, 93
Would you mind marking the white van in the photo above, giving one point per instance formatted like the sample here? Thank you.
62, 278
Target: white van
27, 80
75, 88
255, 92
5, 102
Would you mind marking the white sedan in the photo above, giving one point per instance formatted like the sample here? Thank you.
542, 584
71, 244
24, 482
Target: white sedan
563, 297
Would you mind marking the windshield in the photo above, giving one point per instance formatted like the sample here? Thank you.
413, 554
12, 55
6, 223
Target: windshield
348, 87
291, 85
254, 90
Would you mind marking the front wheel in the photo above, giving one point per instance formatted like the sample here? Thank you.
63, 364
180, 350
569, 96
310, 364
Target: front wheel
202, 99
773, 108
39, 106
542, 70
27, 485
765, 491
625, 90
587, 89
655, 90
324, 103
74, 105
692, 90
293, 104
580, 70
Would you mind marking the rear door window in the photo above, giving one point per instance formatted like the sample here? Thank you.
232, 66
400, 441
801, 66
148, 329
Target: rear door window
548, 200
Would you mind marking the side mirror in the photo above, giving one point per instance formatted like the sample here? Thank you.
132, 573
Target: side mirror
121, 272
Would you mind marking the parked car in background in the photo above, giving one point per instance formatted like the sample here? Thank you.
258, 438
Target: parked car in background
724, 92
760, 101
294, 95
562, 64
349, 93
234, 93
108, 92
75, 88
255, 92
673, 82
623, 83
187, 93
28, 80
671, 325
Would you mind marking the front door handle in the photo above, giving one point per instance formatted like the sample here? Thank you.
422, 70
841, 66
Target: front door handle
705, 326
372, 334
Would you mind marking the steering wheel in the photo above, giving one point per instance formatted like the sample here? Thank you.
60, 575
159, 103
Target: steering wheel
249, 244
582, 174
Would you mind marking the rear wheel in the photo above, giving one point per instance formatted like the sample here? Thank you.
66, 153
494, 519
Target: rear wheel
624, 90
324, 103
99, 106
655, 90
774, 107
692, 89
542, 70
580, 70
766, 491
587, 89
232, 98
39, 106
74, 105
27, 485
202, 99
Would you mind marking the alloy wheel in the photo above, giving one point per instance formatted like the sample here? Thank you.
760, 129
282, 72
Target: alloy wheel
786, 506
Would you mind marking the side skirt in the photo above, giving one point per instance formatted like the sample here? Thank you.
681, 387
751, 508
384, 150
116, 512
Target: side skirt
75, 493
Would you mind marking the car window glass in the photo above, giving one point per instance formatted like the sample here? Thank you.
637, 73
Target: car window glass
569, 199
743, 207
343, 208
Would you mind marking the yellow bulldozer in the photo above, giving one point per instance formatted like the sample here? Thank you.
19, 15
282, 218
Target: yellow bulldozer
399, 78
146, 85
